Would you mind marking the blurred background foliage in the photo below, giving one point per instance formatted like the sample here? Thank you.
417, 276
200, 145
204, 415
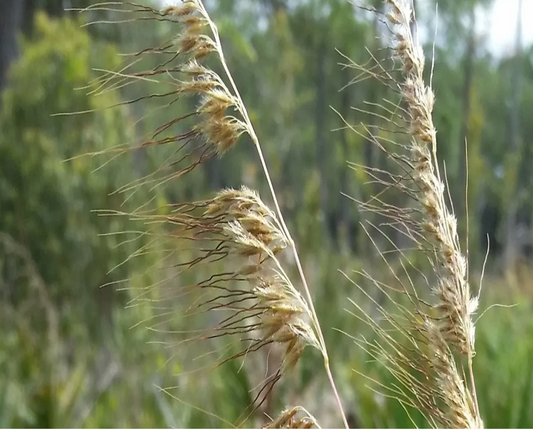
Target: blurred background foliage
69, 356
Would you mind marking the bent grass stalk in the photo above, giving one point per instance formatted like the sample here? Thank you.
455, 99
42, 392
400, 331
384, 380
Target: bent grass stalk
432, 330
292, 244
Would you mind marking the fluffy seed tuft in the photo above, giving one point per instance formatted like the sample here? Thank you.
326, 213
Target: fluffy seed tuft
288, 420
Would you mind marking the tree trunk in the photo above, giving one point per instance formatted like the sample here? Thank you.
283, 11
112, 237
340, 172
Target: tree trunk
320, 128
29, 16
11, 14
349, 226
373, 96
55, 8
512, 224
468, 75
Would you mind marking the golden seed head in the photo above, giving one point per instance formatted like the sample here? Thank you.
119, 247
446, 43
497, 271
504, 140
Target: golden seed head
194, 23
243, 242
187, 42
222, 132
203, 49
186, 8
284, 320
190, 42
294, 351
249, 221
394, 18
195, 68
215, 102
249, 270
288, 420
200, 85
455, 396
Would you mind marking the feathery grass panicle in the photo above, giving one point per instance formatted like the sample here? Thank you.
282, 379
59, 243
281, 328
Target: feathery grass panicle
456, 305
244, 293
243, 290
413, 351
455, 395
210, 129
288, 420
419, 341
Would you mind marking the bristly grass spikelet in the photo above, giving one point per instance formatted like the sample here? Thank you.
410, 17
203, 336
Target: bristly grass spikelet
293, 418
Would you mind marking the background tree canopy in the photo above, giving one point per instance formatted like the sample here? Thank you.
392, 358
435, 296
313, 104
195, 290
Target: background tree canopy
69, 356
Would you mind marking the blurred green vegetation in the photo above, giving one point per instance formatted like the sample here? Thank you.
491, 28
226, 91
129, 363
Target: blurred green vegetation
70, 355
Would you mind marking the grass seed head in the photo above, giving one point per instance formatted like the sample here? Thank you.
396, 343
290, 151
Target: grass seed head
188, 7
288, 420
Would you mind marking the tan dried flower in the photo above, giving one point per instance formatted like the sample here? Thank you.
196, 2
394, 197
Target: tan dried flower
288, 420
456, 306
426, 337
261, 306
